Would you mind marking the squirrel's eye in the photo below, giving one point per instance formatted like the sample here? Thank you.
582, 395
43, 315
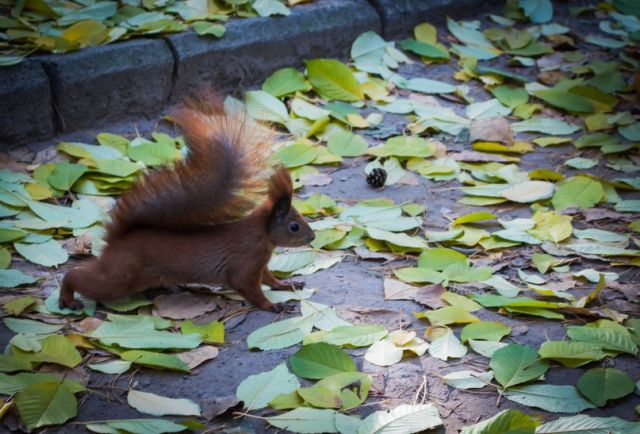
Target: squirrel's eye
294, 227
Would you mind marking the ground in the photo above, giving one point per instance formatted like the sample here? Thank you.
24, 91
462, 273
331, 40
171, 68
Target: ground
357, 284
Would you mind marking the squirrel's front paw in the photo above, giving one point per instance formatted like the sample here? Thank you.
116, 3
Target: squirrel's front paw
282, 308
70, 304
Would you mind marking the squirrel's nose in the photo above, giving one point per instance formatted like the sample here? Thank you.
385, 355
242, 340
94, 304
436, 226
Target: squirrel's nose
312, 236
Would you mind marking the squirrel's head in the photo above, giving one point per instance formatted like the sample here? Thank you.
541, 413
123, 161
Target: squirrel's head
287, 228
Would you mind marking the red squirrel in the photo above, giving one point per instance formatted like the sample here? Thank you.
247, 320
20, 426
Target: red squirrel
213, 218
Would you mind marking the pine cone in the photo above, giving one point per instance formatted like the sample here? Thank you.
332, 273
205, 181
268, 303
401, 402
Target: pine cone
377, 177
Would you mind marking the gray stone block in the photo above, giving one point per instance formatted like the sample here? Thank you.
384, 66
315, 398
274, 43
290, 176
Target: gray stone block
25, 105
96, 85
253, 48
399, 17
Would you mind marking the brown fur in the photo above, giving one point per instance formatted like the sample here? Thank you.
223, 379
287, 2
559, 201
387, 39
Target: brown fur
188, 224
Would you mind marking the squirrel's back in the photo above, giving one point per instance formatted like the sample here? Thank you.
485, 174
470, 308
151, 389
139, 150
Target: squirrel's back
223, 177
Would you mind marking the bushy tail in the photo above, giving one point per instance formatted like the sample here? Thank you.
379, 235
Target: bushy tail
223, 177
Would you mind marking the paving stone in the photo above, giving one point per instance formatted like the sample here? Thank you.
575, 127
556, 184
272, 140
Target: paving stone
399, 17
100, 84
253, 48
25, 105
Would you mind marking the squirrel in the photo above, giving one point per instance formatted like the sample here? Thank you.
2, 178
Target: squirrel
215, 217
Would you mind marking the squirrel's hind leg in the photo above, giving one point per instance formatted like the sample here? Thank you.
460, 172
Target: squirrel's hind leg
248, 285
97, 283
269, 279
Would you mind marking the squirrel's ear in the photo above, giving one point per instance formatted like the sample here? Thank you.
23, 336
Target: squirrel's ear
281, 209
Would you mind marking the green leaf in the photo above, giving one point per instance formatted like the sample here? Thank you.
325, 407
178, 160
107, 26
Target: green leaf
333, 80
403, 147
9, 60
143, 334
297, 154
346, 144
474, 217
538, 11
599, 385
266, 8
402, 419
29, 326
284, 82
52, 305
425, 49
306, 420
136, 426
485, 330
334, 392
157, 405
257, 390
320, 360
468, 35
583, 424
426, 85
449, 315
528, 191
571, 354
55, 349
13, 278
505, 422
155, 360
544, 125
17, 305
281, 334
580, 191
212, 332
362, 335
266, 107
64, 175
549, 397
203, 28
46, 404
440, 258
447, 346
468, 379
48, 254
12, 384
516, 364
610, 336
113, 367
153, 154
510, 96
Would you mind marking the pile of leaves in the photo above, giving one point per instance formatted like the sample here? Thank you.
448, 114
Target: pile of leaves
527, 241
59, 27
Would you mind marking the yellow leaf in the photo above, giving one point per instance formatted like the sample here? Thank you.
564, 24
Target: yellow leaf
86, 33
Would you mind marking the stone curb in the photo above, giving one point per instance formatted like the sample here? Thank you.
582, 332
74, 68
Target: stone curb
51, 94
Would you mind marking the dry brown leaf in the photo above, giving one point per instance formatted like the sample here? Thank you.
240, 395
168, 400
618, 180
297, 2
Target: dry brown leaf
440, 149
592, 214
80, 245
87, 325
408, 179
389, 318
398, 290
184, 305
213, 407
430, 296
197, 356
551, 78
491, 130
315, 179
77, 374
477, 157
427, 100
365, 253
